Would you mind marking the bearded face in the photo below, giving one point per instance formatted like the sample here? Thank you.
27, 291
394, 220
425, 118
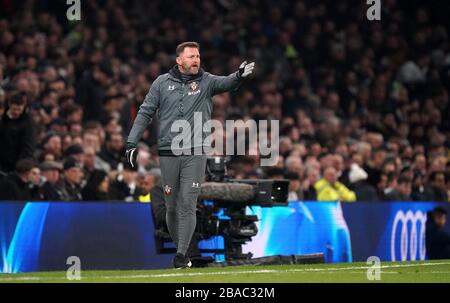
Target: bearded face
189, 61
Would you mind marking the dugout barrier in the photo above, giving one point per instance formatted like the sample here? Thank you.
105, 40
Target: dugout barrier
41, 236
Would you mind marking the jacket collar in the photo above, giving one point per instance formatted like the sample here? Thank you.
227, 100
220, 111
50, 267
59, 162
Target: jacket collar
175, 72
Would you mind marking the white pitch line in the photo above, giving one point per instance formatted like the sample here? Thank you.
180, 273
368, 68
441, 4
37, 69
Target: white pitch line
263, 271
20, 279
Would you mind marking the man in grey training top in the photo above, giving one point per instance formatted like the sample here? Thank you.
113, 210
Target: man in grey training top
182, 94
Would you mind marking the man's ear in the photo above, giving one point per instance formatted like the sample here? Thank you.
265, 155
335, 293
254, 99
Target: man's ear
178, 60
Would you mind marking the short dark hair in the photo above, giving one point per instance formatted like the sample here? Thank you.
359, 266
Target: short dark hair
104, 67
435, 174
439, 211
404, 179
274, 171
110, 135
24, 165
17, 99
70, 109
182, 46
292, 176
391, 176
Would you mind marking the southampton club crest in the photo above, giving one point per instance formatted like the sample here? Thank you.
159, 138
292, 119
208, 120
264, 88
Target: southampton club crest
167, 190
194, 89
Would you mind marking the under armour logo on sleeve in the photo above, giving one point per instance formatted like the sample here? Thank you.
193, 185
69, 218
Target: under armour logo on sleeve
196, 185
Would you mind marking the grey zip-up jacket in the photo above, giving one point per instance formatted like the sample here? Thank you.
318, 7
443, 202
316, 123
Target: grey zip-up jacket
174, 99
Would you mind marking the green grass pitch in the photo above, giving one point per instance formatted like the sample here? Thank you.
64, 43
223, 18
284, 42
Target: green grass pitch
406, 272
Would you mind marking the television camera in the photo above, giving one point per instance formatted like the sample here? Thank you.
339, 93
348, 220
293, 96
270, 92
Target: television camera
221, 209
223, 202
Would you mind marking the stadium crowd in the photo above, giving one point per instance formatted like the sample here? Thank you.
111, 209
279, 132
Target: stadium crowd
363, 105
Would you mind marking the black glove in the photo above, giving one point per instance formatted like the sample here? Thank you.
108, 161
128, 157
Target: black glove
131, 155
246, 69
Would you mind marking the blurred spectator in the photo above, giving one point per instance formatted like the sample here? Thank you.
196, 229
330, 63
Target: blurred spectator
391, 183
36, 182
329, 189
51, 174
294, 165
447, 181
51, 148
91, 139
70, 185
91, 92
124, 185
275, 173
363, 190
16, 133
401, 191
97, 187
312, 176
437, 240
16, 185
112, 151
145, 184
76, 152
420, 163
295, 187
438, 188
89, 164
93, 161
420, 191
143, 159
381, 185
